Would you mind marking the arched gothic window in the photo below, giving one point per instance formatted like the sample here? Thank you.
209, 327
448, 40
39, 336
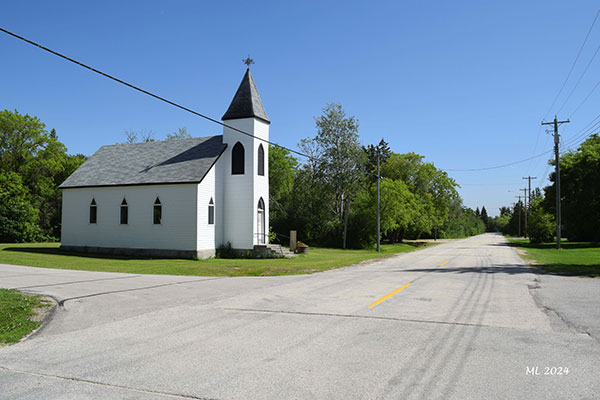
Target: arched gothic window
260, 222
261, 160
124, 212
93, 212
157, 217
211, 212
237, 159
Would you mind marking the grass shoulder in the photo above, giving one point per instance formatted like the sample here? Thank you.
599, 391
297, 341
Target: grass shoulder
49, 255
18, 315
575, 258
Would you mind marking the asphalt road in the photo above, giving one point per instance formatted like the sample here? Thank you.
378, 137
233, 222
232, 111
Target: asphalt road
471, 321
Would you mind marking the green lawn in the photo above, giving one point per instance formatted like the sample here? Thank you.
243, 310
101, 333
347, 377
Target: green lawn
318, 259
16, 309
575, 258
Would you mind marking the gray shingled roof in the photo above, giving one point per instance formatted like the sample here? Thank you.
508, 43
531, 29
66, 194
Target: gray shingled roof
246, 103
169, 161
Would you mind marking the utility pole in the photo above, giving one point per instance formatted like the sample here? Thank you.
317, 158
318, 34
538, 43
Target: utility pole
529, 178
519, 204
556, 122
378, 217
525, 231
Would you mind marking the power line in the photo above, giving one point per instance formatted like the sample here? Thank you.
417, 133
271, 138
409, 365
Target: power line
498, 166
579, 80
573, 65
149, 93
584, 100
229, 126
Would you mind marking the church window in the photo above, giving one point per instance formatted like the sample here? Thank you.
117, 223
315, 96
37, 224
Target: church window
93, 212
124, 212
157, 218
211, 212
261, 160
237, 159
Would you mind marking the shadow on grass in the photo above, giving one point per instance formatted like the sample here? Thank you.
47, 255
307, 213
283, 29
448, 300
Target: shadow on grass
58, 252
543, 246
572, 270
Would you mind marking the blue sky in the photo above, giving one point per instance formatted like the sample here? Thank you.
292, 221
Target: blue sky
464, 83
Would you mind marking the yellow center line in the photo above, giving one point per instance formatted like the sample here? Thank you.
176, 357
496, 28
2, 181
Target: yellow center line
444, 262
463, 252
384, 298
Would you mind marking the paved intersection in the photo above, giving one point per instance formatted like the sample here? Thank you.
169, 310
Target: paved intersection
471, 324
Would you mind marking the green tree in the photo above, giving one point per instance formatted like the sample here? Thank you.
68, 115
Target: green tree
541, 224
580, 191
434, 191
18, 218
397, 209
337, 159
282, 174
371, 152
41, 162
484, 216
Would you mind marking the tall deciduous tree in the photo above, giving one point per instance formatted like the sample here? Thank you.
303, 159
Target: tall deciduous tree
337, 159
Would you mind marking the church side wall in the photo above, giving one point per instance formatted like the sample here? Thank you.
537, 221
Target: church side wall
176, 232
206, 232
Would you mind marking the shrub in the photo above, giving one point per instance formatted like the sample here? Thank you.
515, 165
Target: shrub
541, 226
226, 251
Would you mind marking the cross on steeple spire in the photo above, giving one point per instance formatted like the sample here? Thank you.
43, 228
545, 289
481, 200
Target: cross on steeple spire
248, 61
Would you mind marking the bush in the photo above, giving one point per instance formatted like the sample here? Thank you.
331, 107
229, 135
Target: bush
226, 251
541, 226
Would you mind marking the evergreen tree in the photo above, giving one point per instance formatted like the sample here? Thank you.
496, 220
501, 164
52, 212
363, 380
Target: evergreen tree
484, 216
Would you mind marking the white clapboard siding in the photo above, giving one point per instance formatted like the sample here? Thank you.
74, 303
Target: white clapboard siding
179, 219
206, 191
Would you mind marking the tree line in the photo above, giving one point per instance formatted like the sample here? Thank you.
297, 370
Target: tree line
580, 201
330, 197
33, 163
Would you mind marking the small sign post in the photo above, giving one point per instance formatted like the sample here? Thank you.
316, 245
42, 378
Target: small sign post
293, 241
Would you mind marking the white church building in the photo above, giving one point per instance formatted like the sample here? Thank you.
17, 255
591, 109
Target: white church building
175, 198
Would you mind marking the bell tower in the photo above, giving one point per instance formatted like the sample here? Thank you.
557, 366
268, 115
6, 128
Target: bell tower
246, 168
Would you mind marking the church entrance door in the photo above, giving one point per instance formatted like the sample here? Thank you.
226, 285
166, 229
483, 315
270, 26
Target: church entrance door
260, 222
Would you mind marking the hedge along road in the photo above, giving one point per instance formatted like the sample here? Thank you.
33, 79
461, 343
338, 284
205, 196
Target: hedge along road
465, 319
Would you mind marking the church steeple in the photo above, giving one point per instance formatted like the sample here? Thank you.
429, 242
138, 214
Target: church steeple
246, 103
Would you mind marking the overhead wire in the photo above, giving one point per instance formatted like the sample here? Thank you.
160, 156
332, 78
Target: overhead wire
579, 80
573, 65
146, 92
585, 99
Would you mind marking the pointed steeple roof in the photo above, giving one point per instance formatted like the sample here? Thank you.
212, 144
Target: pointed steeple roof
246, 103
